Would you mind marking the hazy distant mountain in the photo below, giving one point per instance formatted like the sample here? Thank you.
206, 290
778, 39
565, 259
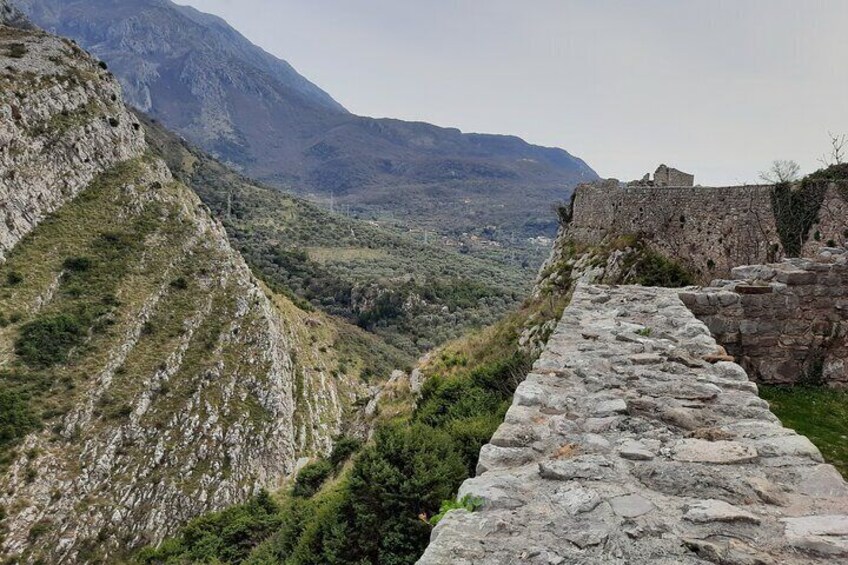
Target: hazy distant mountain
203, 79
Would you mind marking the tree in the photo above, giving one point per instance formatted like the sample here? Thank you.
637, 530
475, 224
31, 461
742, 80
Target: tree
837, 151
781, 171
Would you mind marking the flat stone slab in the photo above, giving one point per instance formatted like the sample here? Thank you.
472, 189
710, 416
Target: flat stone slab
631, 506
720, 452
718, 511
610, 407
821, 535
635, 450
643, 456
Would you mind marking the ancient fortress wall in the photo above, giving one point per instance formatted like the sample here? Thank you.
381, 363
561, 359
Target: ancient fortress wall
625, 444
785, 322
710, 229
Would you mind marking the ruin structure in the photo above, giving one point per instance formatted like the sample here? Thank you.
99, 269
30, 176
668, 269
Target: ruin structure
666, 176
713, 229
785, 323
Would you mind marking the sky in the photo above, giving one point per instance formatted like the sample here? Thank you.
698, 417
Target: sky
718, 88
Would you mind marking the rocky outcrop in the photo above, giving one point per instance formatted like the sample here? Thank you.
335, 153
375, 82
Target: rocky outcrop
187, 386
11, 16
626, 445
61, 123
785, 322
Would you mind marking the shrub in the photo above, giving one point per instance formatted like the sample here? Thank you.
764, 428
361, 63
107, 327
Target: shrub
225, 537
14, 278
652, 269
16, 416
179, 283
468, 502
311, 477
77, 264
48, 340
344, 447
39, 529
403, 477
796, 211
17, 50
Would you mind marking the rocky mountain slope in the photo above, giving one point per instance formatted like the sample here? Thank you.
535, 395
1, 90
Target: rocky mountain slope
205, 81
145, 375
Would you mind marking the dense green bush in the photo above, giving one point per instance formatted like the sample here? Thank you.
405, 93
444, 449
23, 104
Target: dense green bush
406, 474
14, 278
343, 449
47, 340
652, 269
16, 417
311, 477
226, 536
77, 264
795, 211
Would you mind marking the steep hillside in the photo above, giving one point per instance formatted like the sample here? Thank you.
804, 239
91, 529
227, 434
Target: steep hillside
205, 81
145, 375
413, 295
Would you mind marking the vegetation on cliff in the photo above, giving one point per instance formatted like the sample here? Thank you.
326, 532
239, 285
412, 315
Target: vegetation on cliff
796, 208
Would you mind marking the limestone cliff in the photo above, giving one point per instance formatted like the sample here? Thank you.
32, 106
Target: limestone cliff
146, 376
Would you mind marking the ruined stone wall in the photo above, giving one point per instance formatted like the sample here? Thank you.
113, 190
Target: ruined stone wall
668, 176
785, 323
625, 445
709, 229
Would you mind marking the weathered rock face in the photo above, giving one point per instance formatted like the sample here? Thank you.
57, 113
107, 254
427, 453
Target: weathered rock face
61, 123
186, 386
709, 229
624, 446
11, 16
784, 322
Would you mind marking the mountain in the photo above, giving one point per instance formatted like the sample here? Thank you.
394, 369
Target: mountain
146, 376
203, 80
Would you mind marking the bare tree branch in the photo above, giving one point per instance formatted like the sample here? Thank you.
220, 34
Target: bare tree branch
782, 170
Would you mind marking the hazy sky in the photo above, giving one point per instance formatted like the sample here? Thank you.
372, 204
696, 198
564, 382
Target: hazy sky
717, 88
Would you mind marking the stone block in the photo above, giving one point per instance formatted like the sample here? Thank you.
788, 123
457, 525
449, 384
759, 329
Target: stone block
796, 277
713, 510
752, 289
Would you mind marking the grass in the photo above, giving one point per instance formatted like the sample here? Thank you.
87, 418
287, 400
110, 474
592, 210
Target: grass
819, 413
78, 264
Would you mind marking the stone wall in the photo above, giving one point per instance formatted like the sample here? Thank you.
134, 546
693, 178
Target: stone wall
709, 229
669, 176
625, 445
785, 322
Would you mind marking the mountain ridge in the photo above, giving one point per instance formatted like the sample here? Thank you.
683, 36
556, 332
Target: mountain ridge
186, 69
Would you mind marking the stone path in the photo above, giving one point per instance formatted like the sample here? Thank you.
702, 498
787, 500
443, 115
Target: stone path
624, 446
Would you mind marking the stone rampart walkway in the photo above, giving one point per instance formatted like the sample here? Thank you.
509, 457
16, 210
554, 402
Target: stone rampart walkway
631, 442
